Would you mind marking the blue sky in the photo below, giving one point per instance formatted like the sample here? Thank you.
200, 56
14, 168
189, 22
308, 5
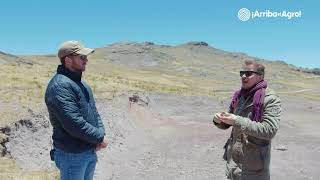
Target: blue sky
39, 26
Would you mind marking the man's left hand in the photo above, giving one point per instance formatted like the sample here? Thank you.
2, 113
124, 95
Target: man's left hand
228, 118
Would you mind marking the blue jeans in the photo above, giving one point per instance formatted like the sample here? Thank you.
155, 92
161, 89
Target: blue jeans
74, 166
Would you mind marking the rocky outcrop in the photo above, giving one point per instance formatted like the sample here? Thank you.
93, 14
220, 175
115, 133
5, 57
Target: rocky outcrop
197, 43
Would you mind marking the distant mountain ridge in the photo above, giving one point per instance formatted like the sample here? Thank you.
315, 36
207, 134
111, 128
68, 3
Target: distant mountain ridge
149, 54
10, 58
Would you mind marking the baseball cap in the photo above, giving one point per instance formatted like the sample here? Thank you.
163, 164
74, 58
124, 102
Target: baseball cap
70, 47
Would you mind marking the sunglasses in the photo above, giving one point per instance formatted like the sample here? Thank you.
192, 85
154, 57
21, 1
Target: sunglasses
248, 73
82, 57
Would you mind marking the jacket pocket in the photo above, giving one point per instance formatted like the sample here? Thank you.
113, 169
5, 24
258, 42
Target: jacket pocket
236, 152
254, 156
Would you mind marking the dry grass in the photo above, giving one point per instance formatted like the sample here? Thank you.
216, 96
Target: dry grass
9, 170
23, 86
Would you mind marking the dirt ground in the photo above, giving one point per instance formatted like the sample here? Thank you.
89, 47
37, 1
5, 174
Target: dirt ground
172, 137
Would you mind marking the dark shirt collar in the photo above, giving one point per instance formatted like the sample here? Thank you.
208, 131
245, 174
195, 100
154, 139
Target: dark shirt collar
75, 76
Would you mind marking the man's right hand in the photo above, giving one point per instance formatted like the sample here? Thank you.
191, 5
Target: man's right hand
105, 142
102, 145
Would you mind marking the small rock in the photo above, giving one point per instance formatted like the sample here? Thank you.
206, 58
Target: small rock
281, 148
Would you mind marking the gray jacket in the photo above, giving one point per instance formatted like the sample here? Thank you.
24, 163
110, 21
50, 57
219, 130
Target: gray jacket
248, 153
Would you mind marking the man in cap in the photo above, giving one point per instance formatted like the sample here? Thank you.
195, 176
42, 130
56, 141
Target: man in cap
254, 114
78, 131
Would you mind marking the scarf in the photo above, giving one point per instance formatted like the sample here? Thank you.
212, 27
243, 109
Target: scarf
258, 92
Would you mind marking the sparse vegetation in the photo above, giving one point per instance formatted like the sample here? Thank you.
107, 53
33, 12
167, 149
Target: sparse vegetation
204, 72
9, 170
23, 85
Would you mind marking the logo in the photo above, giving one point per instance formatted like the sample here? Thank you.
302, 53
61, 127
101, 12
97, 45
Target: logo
244, 14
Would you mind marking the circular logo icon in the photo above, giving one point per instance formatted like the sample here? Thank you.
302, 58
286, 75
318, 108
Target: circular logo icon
244, 14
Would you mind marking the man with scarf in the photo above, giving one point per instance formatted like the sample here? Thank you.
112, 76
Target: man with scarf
254, 115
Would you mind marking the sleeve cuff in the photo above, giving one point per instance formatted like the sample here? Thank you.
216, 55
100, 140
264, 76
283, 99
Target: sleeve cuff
238, 123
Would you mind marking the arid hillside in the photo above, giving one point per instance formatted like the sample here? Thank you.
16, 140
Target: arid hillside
184, 86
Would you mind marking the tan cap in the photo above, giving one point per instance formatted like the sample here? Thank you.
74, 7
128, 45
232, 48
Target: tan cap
70, 47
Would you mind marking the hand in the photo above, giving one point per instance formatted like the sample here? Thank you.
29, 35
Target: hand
98, 147
216, 118
102, 145
105, 142
228, 118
